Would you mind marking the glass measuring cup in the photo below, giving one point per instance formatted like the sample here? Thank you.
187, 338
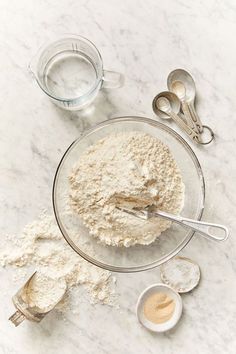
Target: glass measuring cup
70, 71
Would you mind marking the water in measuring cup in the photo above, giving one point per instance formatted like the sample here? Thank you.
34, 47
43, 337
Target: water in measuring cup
69, 75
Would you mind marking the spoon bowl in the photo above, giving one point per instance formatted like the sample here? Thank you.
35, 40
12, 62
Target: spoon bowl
179, 88
179, 79
182, 84
165, 103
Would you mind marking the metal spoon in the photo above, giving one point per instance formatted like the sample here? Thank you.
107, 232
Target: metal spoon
167, 105
203, 228
179, 89
181, 82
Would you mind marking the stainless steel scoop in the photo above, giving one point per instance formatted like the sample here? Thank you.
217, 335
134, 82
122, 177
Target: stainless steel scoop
24, 309
202, 228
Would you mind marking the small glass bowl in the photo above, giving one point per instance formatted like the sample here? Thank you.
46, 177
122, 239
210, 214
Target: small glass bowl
139, 257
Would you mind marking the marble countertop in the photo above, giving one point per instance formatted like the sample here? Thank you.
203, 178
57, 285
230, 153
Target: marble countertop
144, 40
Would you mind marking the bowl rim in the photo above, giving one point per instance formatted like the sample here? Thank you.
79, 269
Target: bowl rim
176, 250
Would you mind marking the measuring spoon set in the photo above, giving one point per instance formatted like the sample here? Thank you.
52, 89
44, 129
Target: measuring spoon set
178, 104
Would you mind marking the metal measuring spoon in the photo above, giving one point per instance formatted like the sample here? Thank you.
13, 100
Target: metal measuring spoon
179, 89
167, 105
182, 84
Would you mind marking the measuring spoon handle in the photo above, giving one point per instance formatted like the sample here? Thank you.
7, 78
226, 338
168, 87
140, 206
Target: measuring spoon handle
188, 116
205, 229
195, 117
191, 133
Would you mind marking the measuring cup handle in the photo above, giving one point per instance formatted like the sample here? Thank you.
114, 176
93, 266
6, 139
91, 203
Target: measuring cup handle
112, 79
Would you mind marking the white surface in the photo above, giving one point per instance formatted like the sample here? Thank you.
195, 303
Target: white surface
165, 326
145, 40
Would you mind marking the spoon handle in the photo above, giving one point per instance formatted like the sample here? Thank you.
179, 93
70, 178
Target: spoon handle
191, 133
188, 115
195, 117
205, 229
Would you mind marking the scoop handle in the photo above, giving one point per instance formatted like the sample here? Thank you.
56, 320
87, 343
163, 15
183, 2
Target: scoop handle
205, 229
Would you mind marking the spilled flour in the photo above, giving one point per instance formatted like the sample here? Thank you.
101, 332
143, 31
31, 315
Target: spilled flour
41, 247
132, 169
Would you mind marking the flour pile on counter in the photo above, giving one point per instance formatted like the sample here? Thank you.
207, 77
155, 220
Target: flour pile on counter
132, 168
41, 247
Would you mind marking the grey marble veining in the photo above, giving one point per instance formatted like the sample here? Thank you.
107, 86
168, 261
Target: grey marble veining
144, 40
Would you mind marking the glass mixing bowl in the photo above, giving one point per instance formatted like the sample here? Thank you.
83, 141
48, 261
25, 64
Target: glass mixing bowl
139, 257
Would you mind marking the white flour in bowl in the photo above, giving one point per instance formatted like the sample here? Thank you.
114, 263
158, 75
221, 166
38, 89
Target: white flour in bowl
135, 168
